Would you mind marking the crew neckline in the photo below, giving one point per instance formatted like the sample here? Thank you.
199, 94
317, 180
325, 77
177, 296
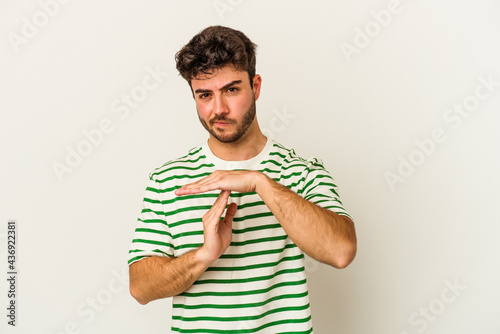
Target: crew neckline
240, 164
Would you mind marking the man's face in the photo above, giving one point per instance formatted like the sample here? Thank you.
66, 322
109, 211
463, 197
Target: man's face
225, 101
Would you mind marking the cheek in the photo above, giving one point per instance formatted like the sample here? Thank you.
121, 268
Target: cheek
241, 105
203, 111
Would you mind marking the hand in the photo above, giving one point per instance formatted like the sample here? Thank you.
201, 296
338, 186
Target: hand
242, 181
217, 232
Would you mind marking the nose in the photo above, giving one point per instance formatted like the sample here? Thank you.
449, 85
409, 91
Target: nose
220, 106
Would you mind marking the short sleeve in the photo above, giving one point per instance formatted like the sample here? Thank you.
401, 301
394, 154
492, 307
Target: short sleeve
320, 189
152, 236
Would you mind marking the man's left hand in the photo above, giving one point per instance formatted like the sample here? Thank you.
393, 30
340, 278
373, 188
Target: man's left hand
243, 181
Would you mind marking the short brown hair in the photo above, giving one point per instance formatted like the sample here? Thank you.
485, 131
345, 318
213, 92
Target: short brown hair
213, 48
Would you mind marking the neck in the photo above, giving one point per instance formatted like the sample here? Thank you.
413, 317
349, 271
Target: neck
247, 147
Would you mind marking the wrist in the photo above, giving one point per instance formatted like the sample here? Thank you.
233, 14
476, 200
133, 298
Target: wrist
202, 257
261, 181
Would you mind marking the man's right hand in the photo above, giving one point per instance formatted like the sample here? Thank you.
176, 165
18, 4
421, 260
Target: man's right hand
158, 277
217, 231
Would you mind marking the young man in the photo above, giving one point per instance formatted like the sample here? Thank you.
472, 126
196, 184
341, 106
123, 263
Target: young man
224, 228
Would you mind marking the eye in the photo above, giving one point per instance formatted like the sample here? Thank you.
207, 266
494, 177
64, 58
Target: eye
232, 89
203, 96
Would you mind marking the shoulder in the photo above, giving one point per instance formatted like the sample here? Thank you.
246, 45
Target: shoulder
194, 159
288, 157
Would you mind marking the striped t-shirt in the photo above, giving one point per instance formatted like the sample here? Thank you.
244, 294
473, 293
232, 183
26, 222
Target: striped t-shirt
259, 284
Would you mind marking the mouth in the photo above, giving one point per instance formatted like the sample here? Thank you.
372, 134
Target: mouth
221, 123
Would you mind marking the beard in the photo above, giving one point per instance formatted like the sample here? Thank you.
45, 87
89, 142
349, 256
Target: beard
231, 137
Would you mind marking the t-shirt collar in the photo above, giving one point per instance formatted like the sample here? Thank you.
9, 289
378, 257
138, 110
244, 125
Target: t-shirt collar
243, 164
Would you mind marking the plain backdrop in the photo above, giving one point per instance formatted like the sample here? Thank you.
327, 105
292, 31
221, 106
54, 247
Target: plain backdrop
400, 99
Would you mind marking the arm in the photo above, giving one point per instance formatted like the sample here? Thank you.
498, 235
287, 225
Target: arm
320, 233
158, 277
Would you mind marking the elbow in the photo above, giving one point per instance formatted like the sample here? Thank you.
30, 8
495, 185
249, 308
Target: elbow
344, 257
339, 258
135, 288
349, 247
345, 260
134, 292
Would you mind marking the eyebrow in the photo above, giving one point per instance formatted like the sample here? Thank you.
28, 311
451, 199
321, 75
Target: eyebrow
232, 83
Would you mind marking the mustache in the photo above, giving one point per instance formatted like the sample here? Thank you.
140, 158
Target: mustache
221, 118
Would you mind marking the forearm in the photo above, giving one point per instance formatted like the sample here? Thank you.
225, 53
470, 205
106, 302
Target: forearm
159, 277
320, 233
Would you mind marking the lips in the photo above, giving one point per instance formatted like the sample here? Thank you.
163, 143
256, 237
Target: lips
221, 123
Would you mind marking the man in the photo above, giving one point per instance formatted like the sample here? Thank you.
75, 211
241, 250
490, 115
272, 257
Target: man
224, 228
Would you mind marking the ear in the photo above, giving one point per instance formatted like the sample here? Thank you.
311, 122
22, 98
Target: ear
256, 84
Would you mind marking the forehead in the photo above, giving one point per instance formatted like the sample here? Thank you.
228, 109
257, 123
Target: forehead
218, 78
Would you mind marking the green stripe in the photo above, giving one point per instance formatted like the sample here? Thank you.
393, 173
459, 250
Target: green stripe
284, 177
328, 201
267, 170
187, 234
192, 152
311, 196
210, 195
253, 330
152, 189
278, 154
187, 160
152, 221
185, 221
249, 279
142, 250
154, 250
153, 242
186, 168
206, 208
135, 259
257, 266
184, 176
139, 257
254, 317
150, 230
257, 228
248, 229
149, 200
301, 165
258, 253
158, 213
195, 245
259, 240
236, 244
274, 162
196, 196
189, 208
251, 204
316, 178
246, 305
333, 207
188, 197
257, 215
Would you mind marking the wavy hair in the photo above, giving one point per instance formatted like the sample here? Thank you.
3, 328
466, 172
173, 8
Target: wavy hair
213, 48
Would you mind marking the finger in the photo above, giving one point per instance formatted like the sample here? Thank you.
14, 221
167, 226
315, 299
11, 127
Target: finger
206, 184
197, 189
218, 207
230, 212
202, 181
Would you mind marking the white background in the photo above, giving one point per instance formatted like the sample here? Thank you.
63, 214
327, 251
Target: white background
362, 113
